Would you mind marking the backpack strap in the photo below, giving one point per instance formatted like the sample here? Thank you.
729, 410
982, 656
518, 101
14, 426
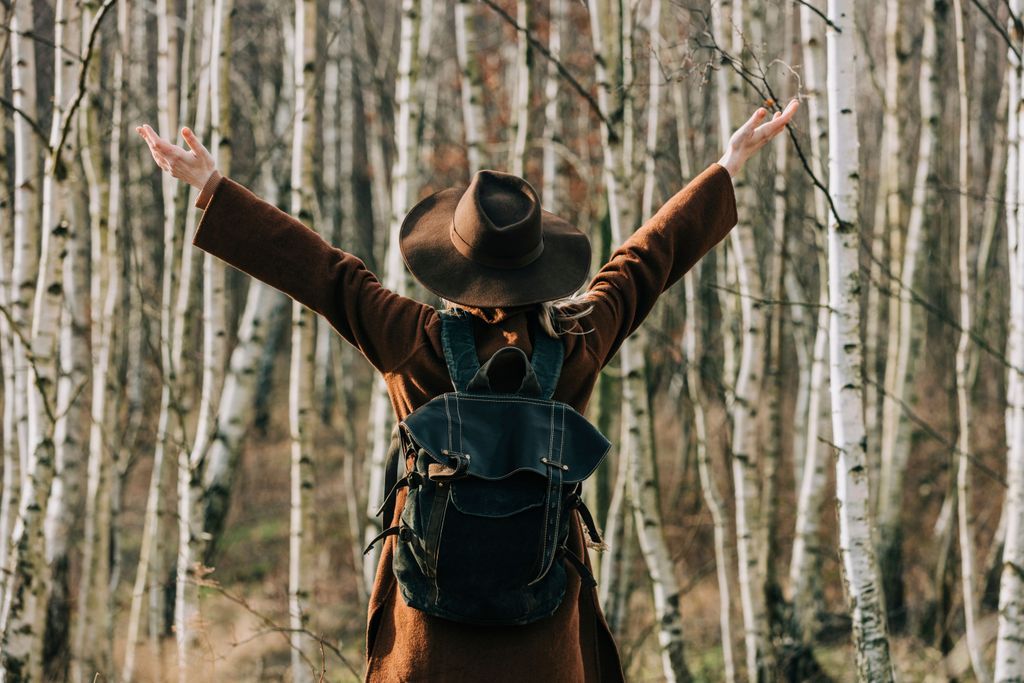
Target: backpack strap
463, 364
546, 358
459, 347
553, 500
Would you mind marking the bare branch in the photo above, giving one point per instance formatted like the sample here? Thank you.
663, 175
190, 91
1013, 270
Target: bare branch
583, 92
998, 27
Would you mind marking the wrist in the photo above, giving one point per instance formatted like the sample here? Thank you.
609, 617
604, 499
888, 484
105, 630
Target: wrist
203, 178
206, 189
731, 163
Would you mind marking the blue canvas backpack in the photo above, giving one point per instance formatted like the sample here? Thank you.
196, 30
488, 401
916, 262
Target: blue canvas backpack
482, 535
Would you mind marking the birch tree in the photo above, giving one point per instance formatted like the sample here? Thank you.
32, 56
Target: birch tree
549, 164
211, 105
805, 563
22, 614
402, 183
745, 441
1009, 659
300, 388
24, 264
856, 545
93, 632
149, 571
471, 85
894, 446
964, 516
518, 151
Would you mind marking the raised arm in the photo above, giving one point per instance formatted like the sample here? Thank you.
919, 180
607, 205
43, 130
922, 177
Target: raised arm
682, 231
272, 246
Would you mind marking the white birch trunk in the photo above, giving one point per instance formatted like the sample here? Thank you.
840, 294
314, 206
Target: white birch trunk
638, 439
22, 615
211, 103
394, 268
856, 546
552, 124
613, 563
150, 569
887, 222
24, 265
517, 157
894, 448
745, 460
964, 518
300, 392
471, 88
805, 584
93, 633
1009, 660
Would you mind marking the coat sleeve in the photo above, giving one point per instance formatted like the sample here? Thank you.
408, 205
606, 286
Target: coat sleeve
657, 255
263, 241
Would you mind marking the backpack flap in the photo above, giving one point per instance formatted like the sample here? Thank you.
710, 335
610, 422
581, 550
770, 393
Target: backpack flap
492, 436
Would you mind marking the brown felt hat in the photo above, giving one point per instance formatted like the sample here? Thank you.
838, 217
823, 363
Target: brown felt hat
491, 244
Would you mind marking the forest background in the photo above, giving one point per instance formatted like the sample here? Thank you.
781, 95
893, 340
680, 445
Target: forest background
813, 479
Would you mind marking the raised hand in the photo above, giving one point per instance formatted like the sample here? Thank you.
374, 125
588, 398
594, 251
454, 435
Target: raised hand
751, 137
194, 165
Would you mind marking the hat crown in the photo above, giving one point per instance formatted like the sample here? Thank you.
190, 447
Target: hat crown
497, 221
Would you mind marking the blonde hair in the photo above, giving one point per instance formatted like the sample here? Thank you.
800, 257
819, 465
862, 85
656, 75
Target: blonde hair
557, 317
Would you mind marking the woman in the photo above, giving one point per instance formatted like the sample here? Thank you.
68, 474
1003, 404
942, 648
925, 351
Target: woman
476, 255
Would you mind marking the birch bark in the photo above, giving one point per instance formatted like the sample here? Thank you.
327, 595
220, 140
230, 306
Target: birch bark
524, 58
471, 88
1009, 660
302, 532
149, 572
93, 635
22, 615
894, 447
805, 584
402, 181
856, 546
964, 517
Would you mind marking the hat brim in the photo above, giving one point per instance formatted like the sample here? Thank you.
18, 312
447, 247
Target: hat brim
428, 252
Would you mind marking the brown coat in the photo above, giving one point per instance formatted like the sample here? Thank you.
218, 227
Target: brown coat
401, 338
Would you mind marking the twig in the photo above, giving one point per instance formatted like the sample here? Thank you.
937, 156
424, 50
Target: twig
40, 133
820, 14
935, 434
269, 623
583, 92
768, 302
998, 27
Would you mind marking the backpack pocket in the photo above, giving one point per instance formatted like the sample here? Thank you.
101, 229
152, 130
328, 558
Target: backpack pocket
508, 496
490, 541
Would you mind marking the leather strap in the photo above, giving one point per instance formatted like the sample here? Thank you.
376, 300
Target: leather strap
546, 358
553, 499
586, 576
432, 539
395, 448
459, 347
391, 530
588, 519
412, 480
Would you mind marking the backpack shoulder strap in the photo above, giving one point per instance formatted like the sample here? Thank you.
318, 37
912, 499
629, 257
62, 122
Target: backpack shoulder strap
459, 347
546, 358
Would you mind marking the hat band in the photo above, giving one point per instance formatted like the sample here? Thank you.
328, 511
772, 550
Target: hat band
467, 250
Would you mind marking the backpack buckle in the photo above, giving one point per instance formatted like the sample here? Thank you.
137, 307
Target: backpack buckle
457, 467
